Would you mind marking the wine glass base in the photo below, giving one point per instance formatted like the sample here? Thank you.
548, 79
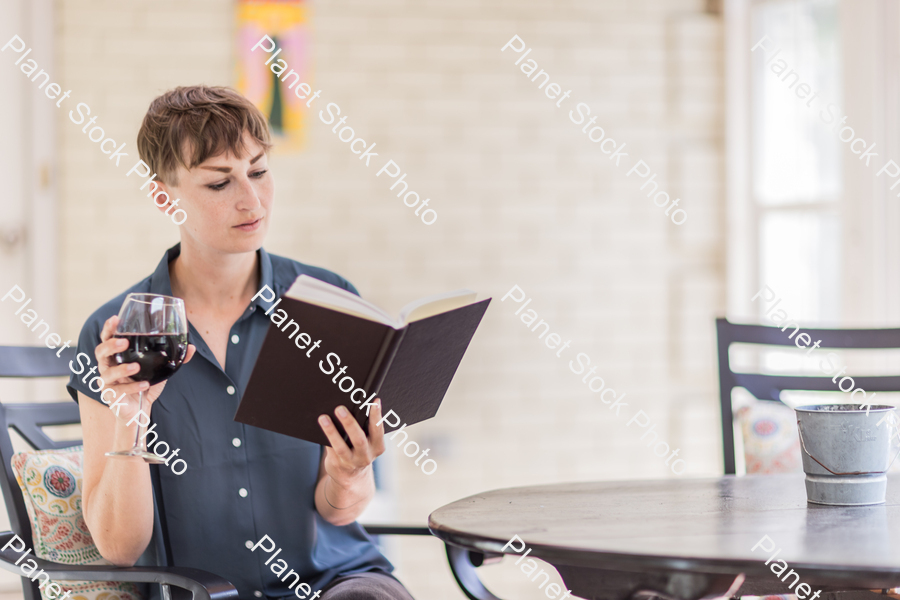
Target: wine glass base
147, 456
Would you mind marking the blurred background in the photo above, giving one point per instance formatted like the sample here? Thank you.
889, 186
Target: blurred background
523, 198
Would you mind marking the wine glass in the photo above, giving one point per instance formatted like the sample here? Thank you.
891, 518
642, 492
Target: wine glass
157, 333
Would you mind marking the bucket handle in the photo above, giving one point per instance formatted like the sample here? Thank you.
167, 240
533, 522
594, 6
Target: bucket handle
810, 454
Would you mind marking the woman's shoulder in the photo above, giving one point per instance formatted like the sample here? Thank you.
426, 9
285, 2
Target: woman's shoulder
286, 270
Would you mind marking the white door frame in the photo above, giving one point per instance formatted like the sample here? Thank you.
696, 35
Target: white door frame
28, 166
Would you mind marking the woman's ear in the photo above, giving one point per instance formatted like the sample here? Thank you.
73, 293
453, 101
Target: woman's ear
161, 195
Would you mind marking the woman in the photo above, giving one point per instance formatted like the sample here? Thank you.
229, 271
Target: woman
208, 147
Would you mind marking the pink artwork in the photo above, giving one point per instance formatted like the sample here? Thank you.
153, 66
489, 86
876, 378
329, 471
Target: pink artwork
286, 22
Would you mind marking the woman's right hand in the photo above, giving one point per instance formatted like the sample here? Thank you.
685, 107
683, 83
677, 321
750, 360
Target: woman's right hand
118, 377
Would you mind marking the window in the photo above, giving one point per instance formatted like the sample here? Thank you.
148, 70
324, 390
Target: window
795, 157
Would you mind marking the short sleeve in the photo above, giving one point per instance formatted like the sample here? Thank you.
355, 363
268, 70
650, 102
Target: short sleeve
82, 377
333, 278
347, 285
286, 270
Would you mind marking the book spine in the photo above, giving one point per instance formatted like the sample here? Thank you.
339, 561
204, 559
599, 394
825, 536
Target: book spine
383, 360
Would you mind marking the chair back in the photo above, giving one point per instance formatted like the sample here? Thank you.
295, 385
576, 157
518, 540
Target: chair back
769, 387
28, 420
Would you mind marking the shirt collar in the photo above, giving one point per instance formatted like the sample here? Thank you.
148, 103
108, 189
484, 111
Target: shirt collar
161, 284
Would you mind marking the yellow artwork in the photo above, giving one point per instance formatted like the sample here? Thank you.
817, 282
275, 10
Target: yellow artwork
287, 23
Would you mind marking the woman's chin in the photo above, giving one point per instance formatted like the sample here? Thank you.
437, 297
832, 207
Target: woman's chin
234, 241
248, 244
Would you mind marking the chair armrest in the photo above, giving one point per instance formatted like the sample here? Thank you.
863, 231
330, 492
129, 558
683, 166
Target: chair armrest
201, 585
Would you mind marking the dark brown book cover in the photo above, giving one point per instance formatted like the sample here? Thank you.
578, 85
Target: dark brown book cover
410, 369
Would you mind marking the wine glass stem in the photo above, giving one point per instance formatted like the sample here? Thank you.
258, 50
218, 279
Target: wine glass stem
138, 445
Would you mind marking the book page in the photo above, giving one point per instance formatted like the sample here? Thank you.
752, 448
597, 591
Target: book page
312, 290
309, 289
435, 305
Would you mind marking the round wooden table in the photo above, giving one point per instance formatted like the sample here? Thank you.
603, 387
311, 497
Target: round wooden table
685, 538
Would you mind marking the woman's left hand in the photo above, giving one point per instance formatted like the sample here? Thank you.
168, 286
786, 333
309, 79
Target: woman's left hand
346, 466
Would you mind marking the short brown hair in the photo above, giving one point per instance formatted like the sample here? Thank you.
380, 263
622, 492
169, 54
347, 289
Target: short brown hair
209, 119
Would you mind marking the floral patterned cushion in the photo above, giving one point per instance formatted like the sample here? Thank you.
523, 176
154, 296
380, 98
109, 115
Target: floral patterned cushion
771, 441
51, 484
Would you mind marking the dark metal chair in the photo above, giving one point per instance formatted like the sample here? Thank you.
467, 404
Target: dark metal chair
769, 387
177, 583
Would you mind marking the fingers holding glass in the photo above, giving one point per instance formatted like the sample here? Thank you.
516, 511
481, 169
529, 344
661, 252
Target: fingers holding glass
150, 338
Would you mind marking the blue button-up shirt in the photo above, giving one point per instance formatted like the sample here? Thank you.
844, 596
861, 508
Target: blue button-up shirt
241, 482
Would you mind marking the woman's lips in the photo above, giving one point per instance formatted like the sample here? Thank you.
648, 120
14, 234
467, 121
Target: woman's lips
251, 226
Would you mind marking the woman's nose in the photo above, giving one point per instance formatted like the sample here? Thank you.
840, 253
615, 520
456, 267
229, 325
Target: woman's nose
248, 198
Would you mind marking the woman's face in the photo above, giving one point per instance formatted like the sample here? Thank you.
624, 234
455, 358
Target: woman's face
228, 200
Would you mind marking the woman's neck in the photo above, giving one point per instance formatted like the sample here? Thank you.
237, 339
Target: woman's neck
214, 280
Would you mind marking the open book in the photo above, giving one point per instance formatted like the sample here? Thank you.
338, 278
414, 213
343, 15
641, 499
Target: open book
328, 347
316, 291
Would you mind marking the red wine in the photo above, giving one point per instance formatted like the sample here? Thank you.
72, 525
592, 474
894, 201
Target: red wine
159, 355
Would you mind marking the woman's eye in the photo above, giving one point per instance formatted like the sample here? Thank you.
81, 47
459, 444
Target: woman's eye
259, 174
217, 186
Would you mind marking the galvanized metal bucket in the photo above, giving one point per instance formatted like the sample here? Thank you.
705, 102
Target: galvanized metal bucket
846, 452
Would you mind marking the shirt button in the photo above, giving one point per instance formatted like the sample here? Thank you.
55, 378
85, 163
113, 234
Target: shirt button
258, 594
249, 544
230, 390
242, 493
235, 339
236, 442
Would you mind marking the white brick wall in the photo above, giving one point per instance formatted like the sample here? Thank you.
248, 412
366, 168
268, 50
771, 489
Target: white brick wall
523, 198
